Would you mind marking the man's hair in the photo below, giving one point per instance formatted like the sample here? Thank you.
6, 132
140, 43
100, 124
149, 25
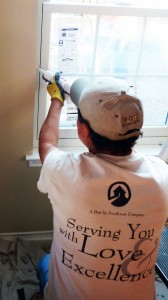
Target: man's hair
102, 143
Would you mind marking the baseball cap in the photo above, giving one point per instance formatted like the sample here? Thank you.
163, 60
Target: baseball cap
111, 108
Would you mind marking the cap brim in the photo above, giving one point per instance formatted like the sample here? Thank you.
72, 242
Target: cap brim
77, 89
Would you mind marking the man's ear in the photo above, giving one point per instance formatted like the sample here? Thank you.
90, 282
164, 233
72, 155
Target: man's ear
84, 135
83, 130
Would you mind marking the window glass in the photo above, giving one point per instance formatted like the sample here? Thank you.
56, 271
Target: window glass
131, 48
154, 56
78, 44
118, 45
155, 99
83, 29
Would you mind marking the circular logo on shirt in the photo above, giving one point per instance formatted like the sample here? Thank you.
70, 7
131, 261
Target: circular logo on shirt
119, 193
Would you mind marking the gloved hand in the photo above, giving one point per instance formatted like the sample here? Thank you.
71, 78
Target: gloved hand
55, 89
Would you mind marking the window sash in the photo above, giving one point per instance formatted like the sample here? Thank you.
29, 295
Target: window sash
154, 134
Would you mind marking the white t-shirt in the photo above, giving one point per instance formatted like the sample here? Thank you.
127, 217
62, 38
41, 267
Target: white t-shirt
108, 215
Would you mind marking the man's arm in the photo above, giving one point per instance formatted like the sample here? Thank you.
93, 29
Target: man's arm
49, 133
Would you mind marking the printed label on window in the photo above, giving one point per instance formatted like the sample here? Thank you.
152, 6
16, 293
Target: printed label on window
67, 49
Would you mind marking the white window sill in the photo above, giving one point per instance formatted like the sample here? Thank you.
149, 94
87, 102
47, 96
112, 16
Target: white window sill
155, 150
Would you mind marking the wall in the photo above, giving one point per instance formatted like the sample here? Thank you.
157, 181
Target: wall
22, 207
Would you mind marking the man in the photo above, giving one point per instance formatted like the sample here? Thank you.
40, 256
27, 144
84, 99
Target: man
109, 204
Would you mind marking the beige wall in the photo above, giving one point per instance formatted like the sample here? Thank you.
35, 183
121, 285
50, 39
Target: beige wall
22, 207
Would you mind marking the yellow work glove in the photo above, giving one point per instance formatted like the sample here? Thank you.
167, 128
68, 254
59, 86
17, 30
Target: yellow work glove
55, 89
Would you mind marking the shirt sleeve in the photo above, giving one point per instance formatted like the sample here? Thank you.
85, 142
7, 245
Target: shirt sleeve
53, 159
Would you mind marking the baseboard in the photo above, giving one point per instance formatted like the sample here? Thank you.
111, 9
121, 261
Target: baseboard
31, 235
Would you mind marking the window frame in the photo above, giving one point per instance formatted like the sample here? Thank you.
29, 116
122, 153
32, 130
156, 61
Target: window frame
156, 135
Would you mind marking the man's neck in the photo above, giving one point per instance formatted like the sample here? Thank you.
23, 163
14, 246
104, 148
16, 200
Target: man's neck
109, 152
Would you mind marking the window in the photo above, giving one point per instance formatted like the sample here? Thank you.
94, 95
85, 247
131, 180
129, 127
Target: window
100, 39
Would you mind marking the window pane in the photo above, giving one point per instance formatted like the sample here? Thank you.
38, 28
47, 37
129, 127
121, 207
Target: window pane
154, 95
118, 44
81, 46
131, 48
154, 58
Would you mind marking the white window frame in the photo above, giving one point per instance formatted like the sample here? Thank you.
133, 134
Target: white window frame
151, 135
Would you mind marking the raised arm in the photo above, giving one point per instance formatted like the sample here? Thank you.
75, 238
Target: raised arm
49, 133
